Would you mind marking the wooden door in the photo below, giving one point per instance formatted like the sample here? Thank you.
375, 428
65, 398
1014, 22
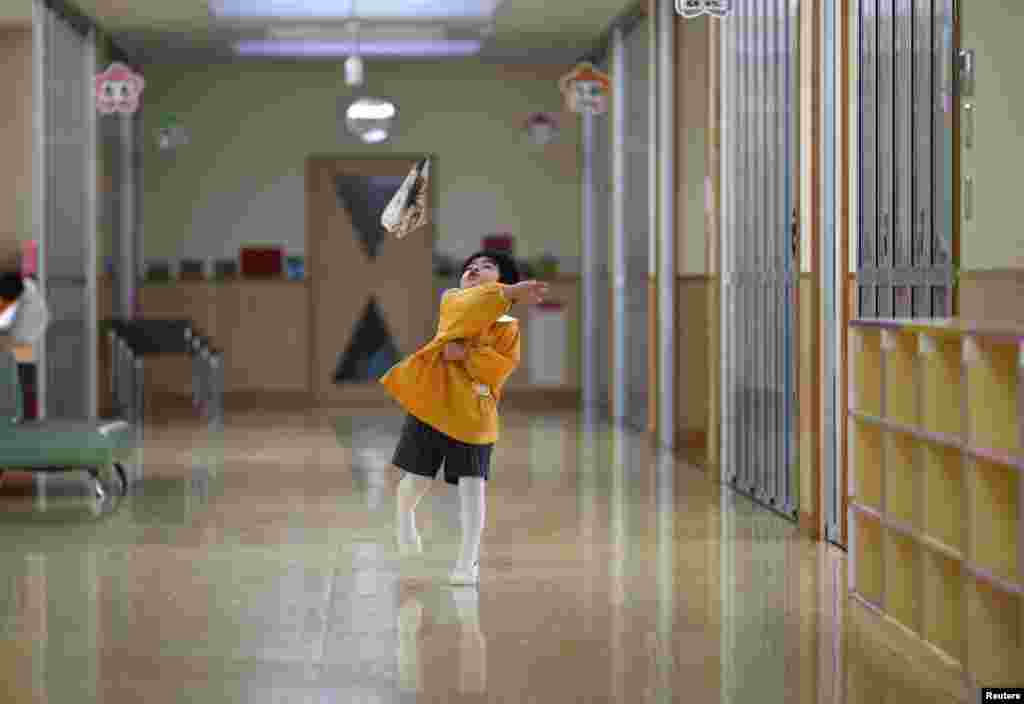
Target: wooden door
372, 295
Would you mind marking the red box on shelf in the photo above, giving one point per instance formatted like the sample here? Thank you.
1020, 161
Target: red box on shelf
502, 242
261, 262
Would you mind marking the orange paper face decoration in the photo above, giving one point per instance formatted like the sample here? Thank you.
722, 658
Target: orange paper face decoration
586, 89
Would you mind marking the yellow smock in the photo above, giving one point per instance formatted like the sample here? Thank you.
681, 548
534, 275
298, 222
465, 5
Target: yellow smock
460, 397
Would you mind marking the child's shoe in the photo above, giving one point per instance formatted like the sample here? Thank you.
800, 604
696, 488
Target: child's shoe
464, 577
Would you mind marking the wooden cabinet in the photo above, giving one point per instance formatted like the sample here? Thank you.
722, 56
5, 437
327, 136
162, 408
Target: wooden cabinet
262, 327
266, 328
937, 487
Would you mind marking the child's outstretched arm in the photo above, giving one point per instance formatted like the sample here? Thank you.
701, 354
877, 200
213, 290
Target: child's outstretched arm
465, 314
492, 365
474, 310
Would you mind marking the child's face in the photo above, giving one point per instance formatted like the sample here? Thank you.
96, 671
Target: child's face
481, 270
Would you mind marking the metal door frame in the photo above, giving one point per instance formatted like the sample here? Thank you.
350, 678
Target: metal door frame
760, 386
831, 285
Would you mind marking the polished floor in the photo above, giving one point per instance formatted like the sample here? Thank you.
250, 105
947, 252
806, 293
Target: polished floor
257, 564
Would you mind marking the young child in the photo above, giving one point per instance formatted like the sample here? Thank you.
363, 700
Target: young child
23, 312
450, 389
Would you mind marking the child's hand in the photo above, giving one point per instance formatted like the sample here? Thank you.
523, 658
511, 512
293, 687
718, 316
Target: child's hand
527, 292
454, 351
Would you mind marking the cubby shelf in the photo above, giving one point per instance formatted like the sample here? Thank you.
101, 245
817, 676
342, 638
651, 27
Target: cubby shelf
937, 487
994, 421
938, 438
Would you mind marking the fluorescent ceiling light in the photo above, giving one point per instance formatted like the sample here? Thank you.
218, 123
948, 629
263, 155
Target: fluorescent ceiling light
449, 47
365, 33
348, 9
370, 110
375, 136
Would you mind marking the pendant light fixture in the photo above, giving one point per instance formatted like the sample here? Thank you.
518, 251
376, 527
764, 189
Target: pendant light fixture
370, 119
354, 63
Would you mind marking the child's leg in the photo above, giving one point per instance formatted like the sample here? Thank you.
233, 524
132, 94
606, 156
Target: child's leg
411, 489
472, 509
419, 453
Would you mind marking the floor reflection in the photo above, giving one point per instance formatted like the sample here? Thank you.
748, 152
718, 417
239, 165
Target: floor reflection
264, 570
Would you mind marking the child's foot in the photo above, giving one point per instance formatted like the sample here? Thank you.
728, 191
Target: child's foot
465, 577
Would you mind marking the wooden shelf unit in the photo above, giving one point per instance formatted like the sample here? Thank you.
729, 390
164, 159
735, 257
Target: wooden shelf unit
937, 487
866, 456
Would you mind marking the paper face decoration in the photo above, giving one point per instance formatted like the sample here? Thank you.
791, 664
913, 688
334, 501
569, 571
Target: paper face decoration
408, 208
118, 89
586, 90
696, 8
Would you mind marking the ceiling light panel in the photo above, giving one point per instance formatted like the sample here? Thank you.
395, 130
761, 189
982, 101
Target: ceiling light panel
365, 33
365, 9
452, 47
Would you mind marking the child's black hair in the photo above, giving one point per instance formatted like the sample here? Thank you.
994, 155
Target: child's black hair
508, 270
11, 285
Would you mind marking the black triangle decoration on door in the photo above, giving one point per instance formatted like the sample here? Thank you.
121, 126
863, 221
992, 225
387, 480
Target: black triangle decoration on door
364, 198
371, 351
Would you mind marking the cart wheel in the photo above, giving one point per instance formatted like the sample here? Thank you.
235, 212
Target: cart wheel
94, 472
122, 477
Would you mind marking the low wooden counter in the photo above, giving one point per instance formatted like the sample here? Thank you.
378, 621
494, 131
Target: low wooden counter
264, 328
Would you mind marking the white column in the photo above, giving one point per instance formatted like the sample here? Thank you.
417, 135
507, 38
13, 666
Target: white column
90, 232
126, 265
618, 264
589, 290
666, 252
40, 35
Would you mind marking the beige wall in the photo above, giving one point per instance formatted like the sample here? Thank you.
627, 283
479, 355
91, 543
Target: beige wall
16, 136
691, 165
253, 125
993, 238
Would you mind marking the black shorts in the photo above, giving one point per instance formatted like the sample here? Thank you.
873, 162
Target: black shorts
422, 449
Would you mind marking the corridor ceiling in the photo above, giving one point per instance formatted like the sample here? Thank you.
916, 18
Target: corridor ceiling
527, 31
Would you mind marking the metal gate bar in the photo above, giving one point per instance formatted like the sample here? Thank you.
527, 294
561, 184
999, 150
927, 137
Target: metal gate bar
759, 275
904, 263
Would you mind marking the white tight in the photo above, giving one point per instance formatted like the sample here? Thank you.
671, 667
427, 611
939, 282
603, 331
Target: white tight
411, 489
472, 510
